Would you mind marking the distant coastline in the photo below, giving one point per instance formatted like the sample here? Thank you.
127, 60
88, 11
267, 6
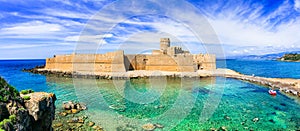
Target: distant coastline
291, 57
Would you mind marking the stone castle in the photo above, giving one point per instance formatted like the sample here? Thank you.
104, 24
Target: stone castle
168, 58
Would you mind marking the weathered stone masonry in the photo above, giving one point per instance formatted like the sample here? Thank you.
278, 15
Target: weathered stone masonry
168, 58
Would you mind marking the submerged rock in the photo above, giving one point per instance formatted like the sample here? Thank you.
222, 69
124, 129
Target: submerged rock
73, 105
272, 121
149, 127
63, 113
255, 119
91, 124
227, 117
73, 120
158, 125
223, 128
58, 124
120, 108
213, 129
74, 111
97, 128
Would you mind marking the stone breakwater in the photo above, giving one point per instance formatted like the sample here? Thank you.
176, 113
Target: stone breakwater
285, 85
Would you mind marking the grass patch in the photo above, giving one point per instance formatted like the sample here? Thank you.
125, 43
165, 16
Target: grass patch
13, 118
26, 97
24, 92
2, 123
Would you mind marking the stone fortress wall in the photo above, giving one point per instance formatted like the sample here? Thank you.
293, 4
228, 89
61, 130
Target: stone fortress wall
168, 58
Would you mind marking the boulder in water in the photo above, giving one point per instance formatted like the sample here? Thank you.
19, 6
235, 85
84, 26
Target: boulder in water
149, 127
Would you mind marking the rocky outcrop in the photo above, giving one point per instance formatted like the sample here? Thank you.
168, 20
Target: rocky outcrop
41, 107
34, 111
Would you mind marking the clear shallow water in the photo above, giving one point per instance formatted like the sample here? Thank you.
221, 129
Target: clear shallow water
175, 103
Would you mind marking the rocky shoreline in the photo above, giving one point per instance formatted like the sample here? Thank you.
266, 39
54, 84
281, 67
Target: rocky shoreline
25, 112
114, 75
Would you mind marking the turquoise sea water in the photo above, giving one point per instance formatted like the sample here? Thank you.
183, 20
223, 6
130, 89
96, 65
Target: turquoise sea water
265, 68
177, 104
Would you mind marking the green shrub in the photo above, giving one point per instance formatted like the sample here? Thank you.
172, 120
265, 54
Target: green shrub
7, 91
13, 118
24, 92
21, 109
26, 97
2, 123
5, 99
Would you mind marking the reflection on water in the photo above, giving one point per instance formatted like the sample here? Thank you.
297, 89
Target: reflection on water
179, 104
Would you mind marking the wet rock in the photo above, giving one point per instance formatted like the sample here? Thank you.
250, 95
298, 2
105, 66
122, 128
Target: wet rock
80, 120
243, 123
158, 125
223, 128
63, 114
255, 119
98, 128
58, 125
74, 111
82, 106
293, 92
272, 121
78, 125
67, 106
91, 124
149, 127
73, 120
213, 129
68, 111
227, 117
161, 106
73, 105
120, 108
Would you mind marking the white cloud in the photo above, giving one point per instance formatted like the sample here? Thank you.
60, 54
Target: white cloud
66, 13
297, 5
234, 32
19, 46
31, 28
88, 38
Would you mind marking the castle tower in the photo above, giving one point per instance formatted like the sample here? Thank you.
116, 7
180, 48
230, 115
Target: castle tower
164, 44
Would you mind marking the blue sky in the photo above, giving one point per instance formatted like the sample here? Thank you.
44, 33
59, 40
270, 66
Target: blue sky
42, 28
